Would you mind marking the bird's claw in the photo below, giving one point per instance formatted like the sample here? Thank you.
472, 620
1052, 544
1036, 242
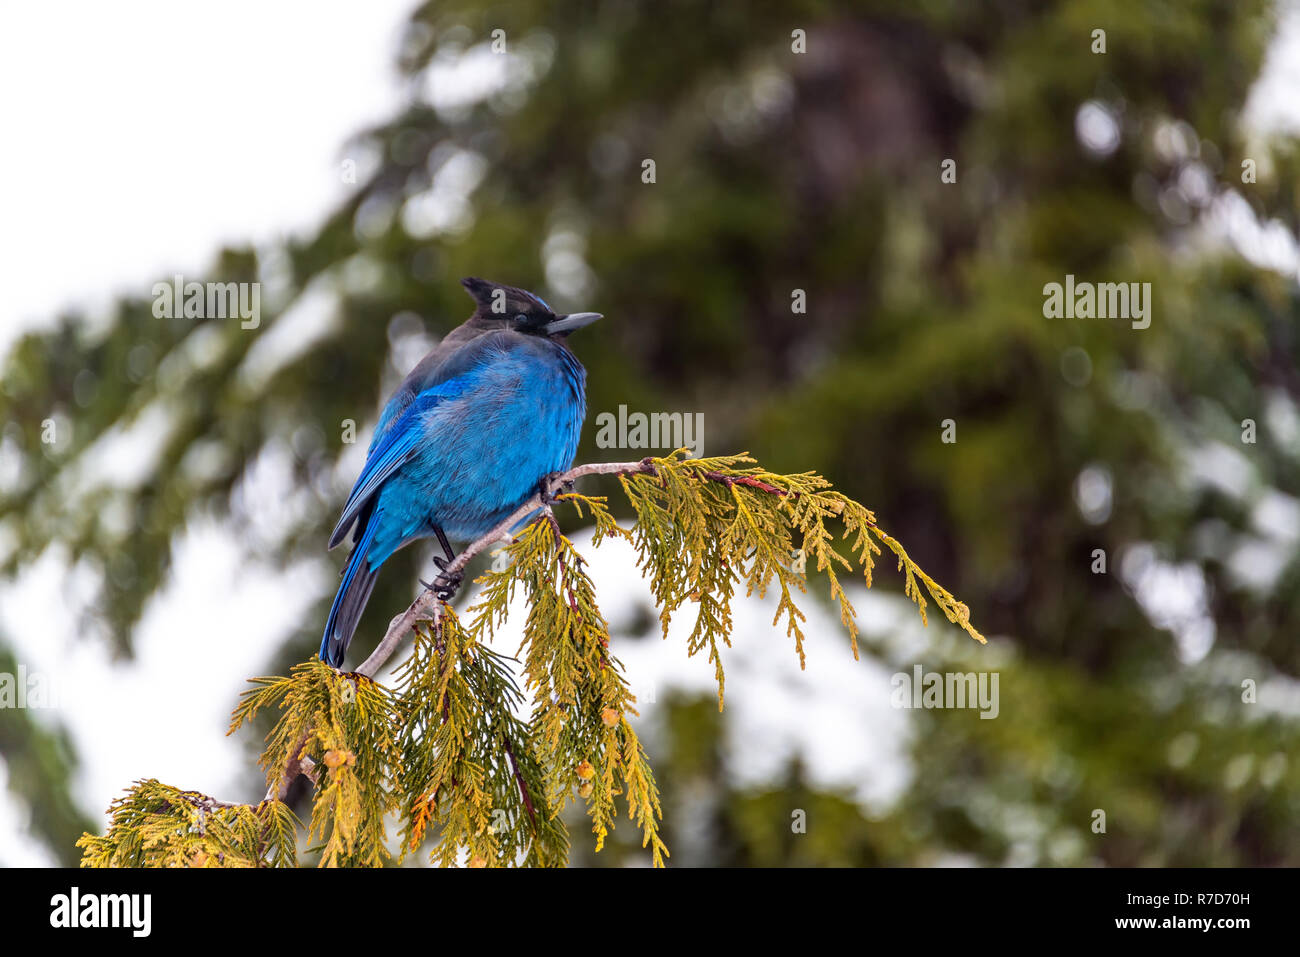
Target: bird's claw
445, 586
544, 488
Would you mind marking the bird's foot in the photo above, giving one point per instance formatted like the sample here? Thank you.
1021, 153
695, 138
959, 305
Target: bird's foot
445, 586
544, 487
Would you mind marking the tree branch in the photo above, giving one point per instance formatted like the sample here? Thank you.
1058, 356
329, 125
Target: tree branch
427, 607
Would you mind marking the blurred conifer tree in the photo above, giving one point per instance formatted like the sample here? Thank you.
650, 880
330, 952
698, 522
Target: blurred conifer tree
818, 171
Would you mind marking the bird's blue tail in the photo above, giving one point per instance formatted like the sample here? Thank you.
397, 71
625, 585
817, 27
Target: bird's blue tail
350, 600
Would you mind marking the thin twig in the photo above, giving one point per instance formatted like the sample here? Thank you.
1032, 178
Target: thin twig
730, 480
519, 778
278, 792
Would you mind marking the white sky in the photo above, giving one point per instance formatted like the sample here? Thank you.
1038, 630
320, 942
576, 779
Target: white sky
140, 135
134, 146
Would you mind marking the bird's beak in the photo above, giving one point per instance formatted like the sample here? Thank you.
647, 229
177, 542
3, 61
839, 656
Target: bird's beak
575, 320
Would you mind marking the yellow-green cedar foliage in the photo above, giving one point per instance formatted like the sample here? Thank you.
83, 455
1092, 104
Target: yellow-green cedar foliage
446, 750
156, 825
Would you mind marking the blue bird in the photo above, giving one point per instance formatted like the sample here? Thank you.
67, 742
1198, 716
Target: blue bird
492, 410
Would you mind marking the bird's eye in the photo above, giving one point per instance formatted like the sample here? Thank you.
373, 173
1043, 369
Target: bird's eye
521, 318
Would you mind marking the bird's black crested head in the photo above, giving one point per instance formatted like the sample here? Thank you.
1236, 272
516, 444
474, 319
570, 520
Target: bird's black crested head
498, 301
520, 309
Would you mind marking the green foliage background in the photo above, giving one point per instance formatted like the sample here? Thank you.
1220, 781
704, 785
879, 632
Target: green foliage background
819, 171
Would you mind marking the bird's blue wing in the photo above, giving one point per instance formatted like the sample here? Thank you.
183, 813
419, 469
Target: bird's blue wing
447, 362
391, 449
390, 413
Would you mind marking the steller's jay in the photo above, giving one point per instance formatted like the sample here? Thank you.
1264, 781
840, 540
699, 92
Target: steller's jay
491, 411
